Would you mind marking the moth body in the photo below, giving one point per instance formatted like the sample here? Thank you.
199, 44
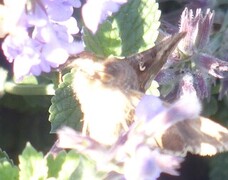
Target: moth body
102, 90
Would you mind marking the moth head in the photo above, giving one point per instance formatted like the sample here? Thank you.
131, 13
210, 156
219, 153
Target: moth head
147, 64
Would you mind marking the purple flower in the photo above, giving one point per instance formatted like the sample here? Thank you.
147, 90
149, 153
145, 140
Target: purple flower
94, 12
198, 30
193, 59
158, 119
149, 164
143, 160
10, 14
60, 10
134, 155
42, 39
211, 65
187, 86
153, 103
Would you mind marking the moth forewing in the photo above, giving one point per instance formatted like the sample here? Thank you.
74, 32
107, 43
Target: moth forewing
148, 63
200, 136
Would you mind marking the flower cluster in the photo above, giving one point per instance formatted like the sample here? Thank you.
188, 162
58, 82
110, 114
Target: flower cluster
193, 57
134, 156
42, 38
41, 32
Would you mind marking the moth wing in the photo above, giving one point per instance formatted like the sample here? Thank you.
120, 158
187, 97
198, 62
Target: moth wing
201, 136
148, 63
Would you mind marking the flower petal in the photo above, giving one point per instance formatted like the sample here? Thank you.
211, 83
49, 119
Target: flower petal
148, 107
211, 64
94, 16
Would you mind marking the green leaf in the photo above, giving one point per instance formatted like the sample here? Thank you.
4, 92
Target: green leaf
138, 23
55, 163
132, 29
7, 169
32, 164
63, 165
4, 157
69, 165
106, 41
65, 109
85, 170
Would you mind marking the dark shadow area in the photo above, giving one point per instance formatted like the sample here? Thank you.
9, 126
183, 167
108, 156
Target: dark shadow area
21, 122
193, 168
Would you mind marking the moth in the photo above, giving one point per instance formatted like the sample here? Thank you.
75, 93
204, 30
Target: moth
110, 89
201, 136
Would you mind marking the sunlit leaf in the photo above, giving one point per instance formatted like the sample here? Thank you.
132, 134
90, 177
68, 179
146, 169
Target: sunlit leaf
65, 109
32, 164
55, 163
85, 170
7, 169
132, 29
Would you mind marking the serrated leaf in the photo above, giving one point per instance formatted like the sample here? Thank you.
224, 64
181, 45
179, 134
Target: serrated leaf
4, 157
69, 165
7, 169
138, 22
55, 163
32, 164
132, 29
65, 109
106, 41
86, 170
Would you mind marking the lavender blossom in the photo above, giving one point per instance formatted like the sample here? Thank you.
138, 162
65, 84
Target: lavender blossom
66, 6
94, 12
145, 161
8, 20
154, 104
198, 29
42, 38
133, 155
148, 165
193, 57
165, 116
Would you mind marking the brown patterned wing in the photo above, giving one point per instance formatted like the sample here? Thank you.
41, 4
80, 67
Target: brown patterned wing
108, 89
202, 136
147, 64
